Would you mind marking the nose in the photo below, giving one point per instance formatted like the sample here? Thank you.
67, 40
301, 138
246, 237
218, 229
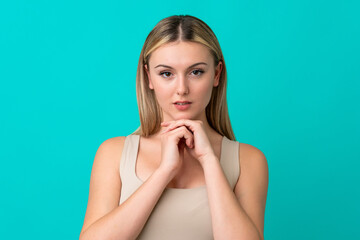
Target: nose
182, 86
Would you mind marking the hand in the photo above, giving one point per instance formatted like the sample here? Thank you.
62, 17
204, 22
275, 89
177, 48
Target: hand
172, 148
201, 147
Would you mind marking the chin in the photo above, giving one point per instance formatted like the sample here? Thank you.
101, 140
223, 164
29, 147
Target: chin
184, 116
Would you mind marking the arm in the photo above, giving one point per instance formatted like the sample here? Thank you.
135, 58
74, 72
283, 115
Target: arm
104, 218
239, 215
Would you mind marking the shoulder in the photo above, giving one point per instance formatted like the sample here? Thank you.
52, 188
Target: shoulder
112, 142
112, 145
251, 154
252, 186
105, 183
111, 150
253, 166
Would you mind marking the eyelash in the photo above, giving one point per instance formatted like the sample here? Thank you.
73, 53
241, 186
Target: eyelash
197, 70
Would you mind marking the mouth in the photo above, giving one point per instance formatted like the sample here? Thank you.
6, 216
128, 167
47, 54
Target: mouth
181, 102
182, 105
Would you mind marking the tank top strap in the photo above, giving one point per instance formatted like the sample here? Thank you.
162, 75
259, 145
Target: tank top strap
129, 181
130, 149
230, 161
129, 154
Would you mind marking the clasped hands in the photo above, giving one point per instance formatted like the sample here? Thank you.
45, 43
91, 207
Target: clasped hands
184, 133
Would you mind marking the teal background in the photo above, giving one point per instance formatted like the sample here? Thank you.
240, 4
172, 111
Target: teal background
67, 73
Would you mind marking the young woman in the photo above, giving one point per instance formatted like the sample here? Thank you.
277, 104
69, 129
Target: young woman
178, 176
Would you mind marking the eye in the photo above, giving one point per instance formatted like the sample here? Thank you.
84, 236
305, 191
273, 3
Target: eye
165, 74
197, 72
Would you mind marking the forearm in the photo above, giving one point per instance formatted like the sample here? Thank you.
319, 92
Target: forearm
127, 220
229, 220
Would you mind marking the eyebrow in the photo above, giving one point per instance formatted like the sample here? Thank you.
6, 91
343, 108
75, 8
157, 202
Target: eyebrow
199, 63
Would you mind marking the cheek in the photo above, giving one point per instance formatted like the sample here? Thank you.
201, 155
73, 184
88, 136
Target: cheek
162, 94
205, 90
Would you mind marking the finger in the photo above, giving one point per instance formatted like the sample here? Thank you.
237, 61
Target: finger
170, 127
183, 132
189, 138
190, 124
166, 123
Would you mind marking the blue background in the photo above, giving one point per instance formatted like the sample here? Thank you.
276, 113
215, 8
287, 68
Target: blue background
67, 75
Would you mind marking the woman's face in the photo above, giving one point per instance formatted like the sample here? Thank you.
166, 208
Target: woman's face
183, 75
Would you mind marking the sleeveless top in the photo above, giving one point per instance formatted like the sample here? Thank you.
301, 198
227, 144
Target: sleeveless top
180, 213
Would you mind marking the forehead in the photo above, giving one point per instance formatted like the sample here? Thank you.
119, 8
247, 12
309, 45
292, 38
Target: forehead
180, 54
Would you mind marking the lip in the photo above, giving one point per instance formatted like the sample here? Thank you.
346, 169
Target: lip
182, 107
182, 102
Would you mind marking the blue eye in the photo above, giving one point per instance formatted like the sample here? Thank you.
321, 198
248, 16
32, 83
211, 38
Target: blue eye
165, 74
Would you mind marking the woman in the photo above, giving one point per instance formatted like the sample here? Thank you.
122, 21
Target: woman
178, 176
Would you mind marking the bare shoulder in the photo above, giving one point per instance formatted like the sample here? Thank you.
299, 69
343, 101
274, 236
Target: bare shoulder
251, 188
249, 153
105, 183
111, 150
253, 168
114, 140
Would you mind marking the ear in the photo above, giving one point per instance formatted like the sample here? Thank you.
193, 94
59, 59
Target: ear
148, 75
218, 71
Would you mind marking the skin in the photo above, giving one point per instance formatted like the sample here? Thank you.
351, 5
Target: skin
186, 144
190, 76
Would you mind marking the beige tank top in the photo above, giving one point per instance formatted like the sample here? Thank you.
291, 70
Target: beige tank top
180, 213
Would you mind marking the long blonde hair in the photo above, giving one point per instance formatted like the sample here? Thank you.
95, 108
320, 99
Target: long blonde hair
172, 29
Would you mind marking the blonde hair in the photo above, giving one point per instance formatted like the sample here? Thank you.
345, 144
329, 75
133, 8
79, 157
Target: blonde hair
172, 29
